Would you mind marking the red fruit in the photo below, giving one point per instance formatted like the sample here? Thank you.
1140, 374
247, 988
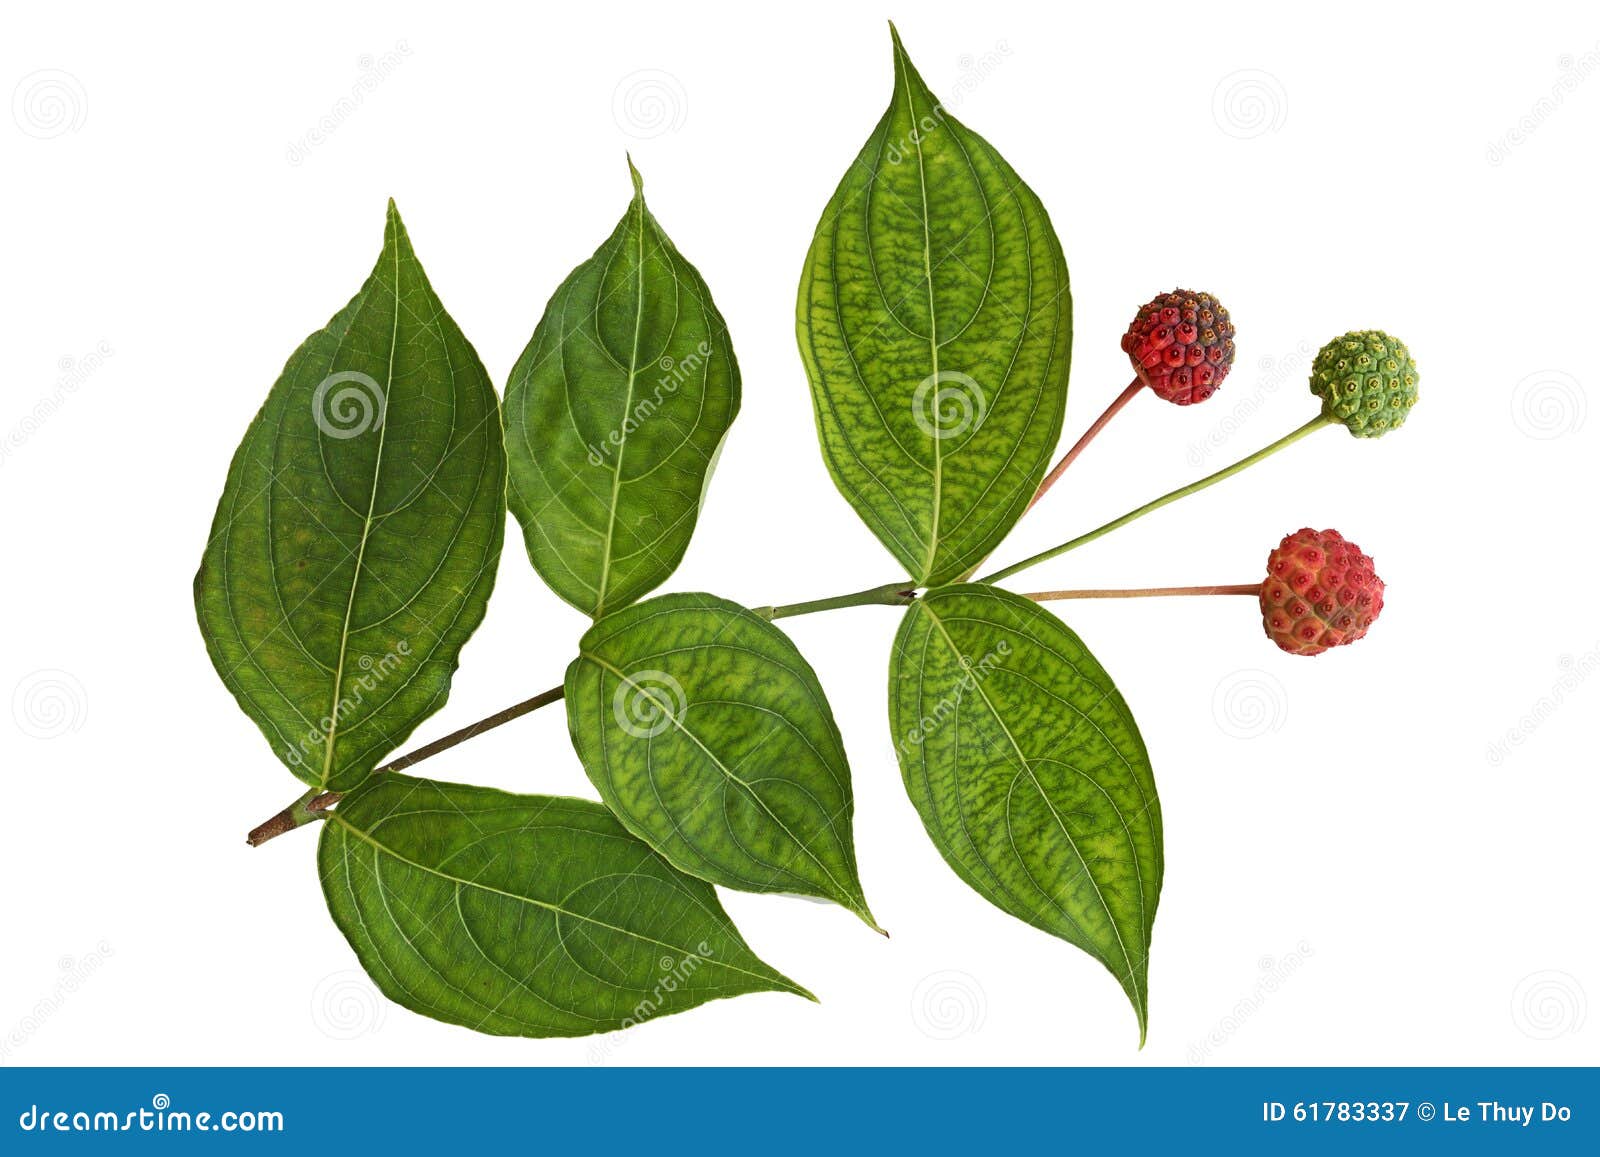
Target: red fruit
1320, 592
1181, 345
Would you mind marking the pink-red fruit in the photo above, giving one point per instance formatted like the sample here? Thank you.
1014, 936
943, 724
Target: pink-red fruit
1181, 345
1320, 592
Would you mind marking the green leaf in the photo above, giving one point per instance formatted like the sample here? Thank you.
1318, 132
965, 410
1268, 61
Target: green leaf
615, 414
708, 735
1029, 772
356, 541
523, 915
935, 321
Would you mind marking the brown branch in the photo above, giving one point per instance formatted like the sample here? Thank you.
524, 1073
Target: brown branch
311, 806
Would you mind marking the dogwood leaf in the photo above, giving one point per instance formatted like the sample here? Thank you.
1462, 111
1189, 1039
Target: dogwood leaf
615, 414
935, 322
355, 545
1029, 773
524, 915
708, 735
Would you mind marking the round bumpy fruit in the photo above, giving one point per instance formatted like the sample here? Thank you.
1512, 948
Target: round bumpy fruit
1320, 592
1181, 345
1367, 380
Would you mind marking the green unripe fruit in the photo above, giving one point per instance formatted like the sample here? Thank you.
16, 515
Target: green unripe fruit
1367, 380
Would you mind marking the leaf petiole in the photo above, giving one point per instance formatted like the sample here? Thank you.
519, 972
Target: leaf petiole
1262, 454
895, 594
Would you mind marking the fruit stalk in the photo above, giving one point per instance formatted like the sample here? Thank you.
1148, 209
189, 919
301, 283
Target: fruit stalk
1262, 454
1100, 423
1145, 592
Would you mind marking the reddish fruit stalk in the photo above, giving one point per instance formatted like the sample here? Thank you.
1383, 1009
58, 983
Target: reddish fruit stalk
1145, 592
1100, 423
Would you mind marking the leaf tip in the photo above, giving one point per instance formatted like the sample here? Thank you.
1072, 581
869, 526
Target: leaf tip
865, 914
633, 172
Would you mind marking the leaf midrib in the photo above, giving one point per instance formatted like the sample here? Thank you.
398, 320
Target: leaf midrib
933, 325
559, 910
1027, 767
627, 408
843, 894
366, 525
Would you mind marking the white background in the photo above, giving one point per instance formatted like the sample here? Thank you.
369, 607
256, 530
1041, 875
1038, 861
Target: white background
1352, 876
